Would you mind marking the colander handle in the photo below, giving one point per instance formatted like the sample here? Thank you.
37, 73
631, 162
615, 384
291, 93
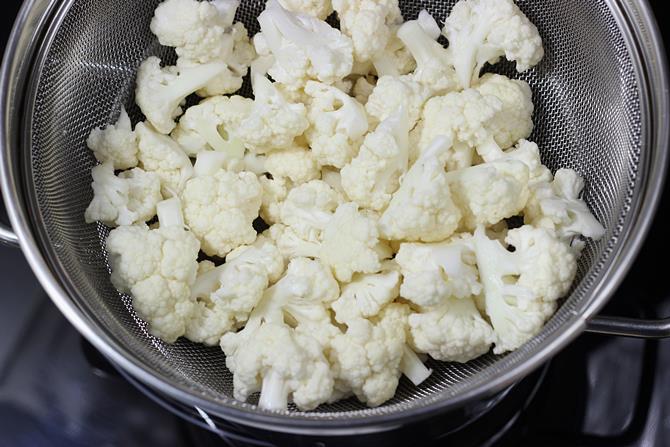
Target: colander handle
7, 236
629, 327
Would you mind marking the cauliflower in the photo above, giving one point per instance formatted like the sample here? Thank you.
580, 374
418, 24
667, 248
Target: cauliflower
433, 273
162, 155
366, 358
556, 205
366, 295
298, 164
433, 64
203, 32
116, 143
521, 287
453, 331
160, 91
273, 122
489, 118
270, 356
320, 9
349, 243
157, 268
220, 209
374, 175
489, 192
127, 199
303, 47
338, 124
211, 125
481, 31
395, 60
422, 209
369, 23
309, 208
363, 88
392, 93
226, 295
275, 191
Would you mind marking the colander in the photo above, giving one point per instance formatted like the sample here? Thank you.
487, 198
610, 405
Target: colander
601, 96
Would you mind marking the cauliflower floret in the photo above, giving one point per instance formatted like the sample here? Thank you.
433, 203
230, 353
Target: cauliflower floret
309, 208
162, 155
556, 205
363, 88
338, 124
453, 331
220, 209
303, 47
115, 142
374, 175
394, 60
392, 93
489, 192
160, 91
422, 209
275, 192
349, 243
320, 9
273, 123
157, 268
544, 268
127, 199
226, 295
270, 356
203, 32
369, 23
211, 125
481, 31
298, 164
433, 65
367, 357
433, 273
366, 295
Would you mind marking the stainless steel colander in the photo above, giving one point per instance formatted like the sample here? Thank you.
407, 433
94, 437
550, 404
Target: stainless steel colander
601, 108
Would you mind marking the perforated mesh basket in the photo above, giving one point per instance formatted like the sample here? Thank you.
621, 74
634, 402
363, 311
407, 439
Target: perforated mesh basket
597, 111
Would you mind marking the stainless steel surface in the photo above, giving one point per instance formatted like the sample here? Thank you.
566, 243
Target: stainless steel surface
8, 237
630, 327
601, 108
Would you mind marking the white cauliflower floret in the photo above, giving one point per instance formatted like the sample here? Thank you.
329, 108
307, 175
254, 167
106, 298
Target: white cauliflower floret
422, 209
273, 122
338, 124
544, 268
271, 357
556, 205
275, 192
220, 209
369, 23
160, 91
363, 88
115, 142
366, 295
481, 31
394, 60
349, 243
320, 9
433, 273
489, 192
211, 125
374, 175
392, 93
161, 154
303, 47
157, 268
226, 295
309, 208
453, 331
127, 199
433, 65
203, 32
298, 164
366, 359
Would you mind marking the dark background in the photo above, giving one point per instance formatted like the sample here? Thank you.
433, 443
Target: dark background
55, 391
